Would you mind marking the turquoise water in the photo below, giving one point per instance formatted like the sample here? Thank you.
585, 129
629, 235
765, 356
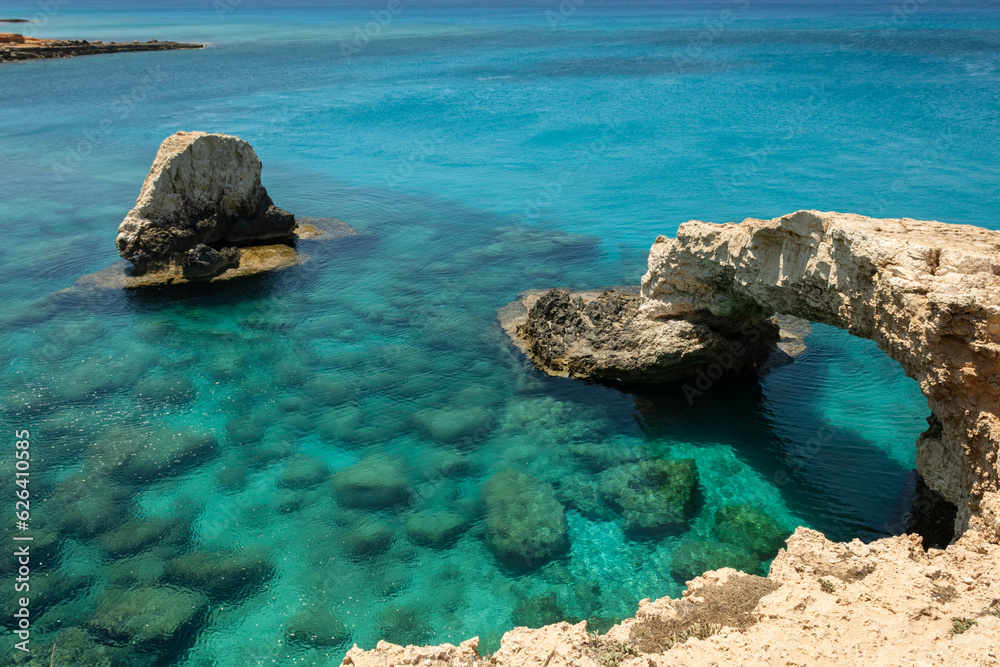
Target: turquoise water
481, 151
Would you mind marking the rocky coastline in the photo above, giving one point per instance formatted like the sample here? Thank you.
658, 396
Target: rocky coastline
15, 47
928, 294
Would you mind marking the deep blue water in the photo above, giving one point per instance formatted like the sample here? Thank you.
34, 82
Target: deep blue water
482, 150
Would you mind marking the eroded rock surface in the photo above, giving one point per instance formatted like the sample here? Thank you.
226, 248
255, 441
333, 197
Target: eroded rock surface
605, 336
884, 603
927, 292
203, 189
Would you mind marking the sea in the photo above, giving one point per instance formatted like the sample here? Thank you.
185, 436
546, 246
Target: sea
193, 449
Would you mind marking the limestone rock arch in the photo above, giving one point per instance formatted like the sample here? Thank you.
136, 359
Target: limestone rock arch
928, 293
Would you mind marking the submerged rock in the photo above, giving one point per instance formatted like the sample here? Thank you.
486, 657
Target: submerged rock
405, 625
223, 575
247, 430
202, 190
138, 456
695, 557
47, 589
161, 391
376, 482
302, 471
368, 541
456, 425
525, 523
73, 647
88, 504
652, 496
339, 424
317, 627
538, 611
580, 492
146, 614
749, 527
601, 456
144, 569
232, 476
331, 388
45, 539
137, 535
435, 529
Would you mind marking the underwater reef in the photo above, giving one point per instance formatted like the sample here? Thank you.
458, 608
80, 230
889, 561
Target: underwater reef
928, 294
436, 508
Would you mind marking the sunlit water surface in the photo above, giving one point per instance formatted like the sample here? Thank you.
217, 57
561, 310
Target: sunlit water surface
480, 152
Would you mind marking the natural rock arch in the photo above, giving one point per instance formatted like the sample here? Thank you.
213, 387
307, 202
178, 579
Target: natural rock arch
927, 293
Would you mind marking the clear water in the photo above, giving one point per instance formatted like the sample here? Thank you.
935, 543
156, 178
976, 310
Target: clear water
482, 150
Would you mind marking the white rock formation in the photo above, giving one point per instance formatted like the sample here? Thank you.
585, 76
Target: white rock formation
203, 189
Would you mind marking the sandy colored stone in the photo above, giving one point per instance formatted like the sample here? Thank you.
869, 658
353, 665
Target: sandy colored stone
386, 654
557, 645
927, 292
202, 189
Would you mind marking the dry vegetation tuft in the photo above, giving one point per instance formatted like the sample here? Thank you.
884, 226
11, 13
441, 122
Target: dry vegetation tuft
727, 605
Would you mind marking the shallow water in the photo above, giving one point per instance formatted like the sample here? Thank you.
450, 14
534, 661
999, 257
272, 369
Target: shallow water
481, 153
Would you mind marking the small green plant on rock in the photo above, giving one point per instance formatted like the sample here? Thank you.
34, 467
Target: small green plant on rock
960, 625
609, 652
827, 586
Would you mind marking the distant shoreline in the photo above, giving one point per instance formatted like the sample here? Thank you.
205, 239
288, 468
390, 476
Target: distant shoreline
29, 48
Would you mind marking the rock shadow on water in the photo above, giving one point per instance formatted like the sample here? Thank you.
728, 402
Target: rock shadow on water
826, 475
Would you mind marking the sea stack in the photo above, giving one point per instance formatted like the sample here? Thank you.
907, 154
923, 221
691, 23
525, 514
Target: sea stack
202, 200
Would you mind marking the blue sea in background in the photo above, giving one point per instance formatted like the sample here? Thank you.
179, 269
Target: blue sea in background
481, 149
